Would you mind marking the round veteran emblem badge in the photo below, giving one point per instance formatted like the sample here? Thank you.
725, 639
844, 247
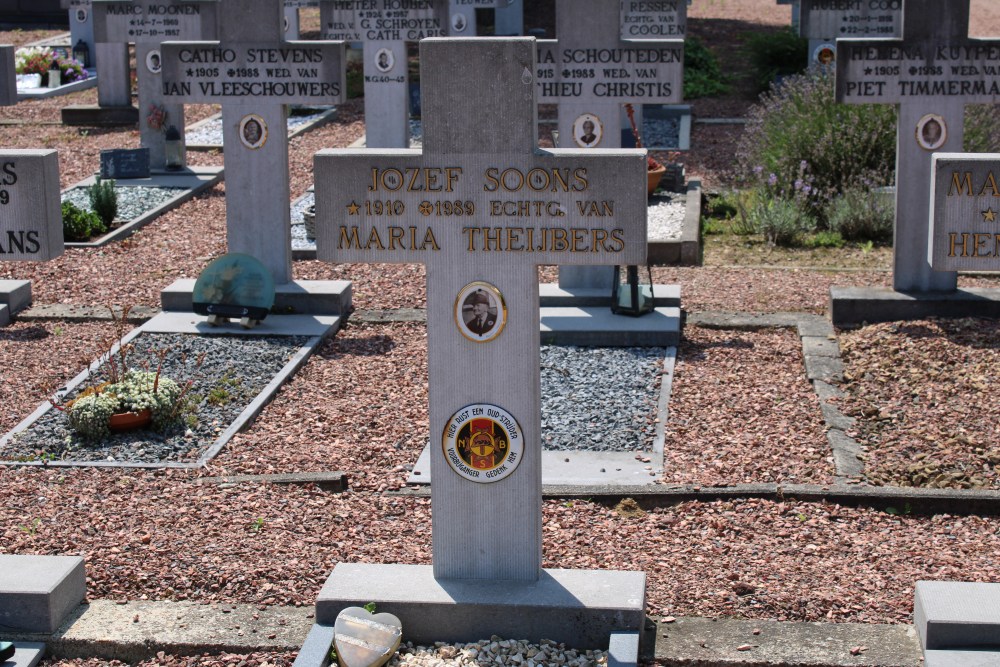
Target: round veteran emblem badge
483, 443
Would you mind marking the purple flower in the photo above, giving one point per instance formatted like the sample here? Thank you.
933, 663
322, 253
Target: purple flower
772, 179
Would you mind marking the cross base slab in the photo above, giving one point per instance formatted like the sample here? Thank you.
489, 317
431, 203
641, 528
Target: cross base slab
311, 297
961, 658
857, 305
600, 327
37, 593
15, 294
580, 608
957, 615
26, 654
322, 326
551, 295
92, 114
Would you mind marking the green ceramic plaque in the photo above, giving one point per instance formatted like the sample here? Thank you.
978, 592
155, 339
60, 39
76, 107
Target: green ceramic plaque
234, 285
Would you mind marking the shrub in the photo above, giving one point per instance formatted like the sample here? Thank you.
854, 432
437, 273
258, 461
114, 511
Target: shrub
780, 221
104, 200
981, 122
80, 225
862, 215
798, 129
703, 77
776, 55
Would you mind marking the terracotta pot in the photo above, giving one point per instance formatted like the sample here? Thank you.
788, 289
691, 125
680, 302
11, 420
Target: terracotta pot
130, 421
653, 177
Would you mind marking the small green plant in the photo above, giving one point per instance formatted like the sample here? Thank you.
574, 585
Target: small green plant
80, 225
57, 330
861, 215
780, 221
221, 393
104, 200
824, 239
257, 524
370, 607
31, 528
703, 77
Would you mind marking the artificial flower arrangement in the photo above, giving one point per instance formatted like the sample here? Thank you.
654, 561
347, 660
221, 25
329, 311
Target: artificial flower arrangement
40, 60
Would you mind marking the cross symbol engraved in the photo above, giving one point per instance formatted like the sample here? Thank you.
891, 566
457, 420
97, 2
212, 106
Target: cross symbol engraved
481, 206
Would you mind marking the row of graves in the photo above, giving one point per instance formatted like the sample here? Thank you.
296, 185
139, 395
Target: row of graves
482, 206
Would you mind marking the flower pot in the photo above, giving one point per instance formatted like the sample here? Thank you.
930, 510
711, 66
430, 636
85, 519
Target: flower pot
130, 421
653, 177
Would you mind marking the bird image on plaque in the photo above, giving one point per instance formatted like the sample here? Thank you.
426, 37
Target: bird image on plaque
231, 286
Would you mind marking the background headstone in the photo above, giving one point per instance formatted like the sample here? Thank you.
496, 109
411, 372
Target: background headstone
30, 209
931, 74
254, 73
384, 28
590, 71
148, 23
824, 21
482, 210
125, 163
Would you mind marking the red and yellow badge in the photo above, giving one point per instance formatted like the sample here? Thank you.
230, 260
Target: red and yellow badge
482, 443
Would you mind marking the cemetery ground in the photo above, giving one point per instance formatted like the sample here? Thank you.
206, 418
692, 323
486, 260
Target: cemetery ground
742, 412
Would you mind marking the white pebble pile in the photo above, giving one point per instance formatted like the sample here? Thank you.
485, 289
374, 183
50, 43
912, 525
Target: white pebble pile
496, 651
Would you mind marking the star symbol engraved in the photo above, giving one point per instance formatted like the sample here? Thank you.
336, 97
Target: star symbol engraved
426, 208
353, 208
868, 71
189, 72
989, 215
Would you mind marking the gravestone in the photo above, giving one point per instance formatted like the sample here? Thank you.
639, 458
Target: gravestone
595, 66
254, 73
291, 20
30, 214
930, 74
148, 23
509, 18
8, 76
824, 21
111, 62
965, 220
125, 163
482, 210
384, 27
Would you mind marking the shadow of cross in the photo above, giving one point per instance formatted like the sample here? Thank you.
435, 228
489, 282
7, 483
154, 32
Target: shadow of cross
148, 23
931, 74
254, 73
482, 207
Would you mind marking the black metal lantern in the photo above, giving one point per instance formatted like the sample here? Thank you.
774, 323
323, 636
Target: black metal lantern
632, 297
173, 147
81, 53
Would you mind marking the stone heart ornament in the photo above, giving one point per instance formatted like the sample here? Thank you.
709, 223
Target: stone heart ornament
363, 639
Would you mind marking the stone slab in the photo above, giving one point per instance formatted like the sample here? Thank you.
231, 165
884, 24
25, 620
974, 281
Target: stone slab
274, 325
824, 368
37, 593
324, 297
26, 654
600, 327
551, 295
329, 481
623, 649
858, 305
4, 315
99, 116
194, 180
687, 249
820, 346
957, 614
576, 467
110, 631
65, 89
578, 607
315, 652
15, 293
846, 451
961, 658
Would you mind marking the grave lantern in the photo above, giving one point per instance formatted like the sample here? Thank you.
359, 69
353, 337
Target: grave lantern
173, 148
81, 53
631, 298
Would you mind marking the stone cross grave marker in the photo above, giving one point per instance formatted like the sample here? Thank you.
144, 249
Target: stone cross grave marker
111, 60
482, 206
148, 23
596, 65
254, 73
384, 27
931, 74
8, 76
823, 21
965, 221
462, 16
